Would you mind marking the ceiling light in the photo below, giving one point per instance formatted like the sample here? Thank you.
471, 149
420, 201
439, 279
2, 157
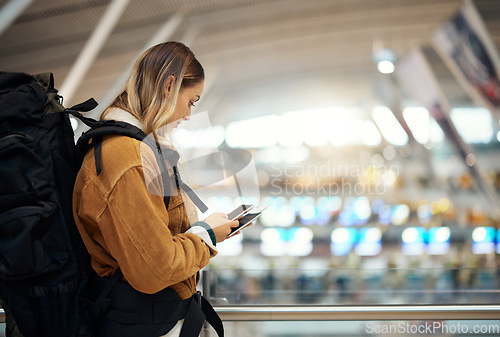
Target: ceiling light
384, 58
385, 67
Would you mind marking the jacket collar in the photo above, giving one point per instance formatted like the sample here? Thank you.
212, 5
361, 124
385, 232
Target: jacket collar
121, 115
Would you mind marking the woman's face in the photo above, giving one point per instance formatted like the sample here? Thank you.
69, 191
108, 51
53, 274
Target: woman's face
185, 100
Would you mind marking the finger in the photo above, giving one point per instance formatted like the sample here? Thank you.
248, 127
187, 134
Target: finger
233, 224
237, 233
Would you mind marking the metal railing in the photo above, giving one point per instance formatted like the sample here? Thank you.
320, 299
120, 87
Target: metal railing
352, 312
357, 313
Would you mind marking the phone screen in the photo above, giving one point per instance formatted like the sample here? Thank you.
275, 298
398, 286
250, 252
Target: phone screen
247, 218
244, 221
239, 211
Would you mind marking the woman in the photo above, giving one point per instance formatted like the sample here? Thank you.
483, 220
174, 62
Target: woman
126, 228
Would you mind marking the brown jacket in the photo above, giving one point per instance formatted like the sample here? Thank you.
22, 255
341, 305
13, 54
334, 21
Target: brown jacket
123, 224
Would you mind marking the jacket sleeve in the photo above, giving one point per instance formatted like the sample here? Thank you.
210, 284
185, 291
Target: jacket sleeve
134, 225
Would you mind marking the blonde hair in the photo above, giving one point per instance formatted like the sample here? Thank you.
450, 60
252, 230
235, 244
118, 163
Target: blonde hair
170, 65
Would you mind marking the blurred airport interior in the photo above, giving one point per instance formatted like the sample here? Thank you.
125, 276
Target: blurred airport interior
373, 127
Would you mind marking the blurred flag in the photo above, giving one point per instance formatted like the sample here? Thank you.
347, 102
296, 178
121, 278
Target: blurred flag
416, 77
468, 51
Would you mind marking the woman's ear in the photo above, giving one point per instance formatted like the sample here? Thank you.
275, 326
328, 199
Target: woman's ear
170, 84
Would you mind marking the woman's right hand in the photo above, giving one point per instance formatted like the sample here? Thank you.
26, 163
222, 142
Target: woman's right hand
221, 225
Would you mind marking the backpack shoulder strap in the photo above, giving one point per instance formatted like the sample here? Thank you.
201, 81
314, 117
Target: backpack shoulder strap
99, 129
93, 137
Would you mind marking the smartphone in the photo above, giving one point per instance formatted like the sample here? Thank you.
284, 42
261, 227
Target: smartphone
247, 219
239, 211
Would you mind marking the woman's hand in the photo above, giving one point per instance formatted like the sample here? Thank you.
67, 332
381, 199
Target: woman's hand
221, 225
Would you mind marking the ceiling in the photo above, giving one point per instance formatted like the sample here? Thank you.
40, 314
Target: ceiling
260, 56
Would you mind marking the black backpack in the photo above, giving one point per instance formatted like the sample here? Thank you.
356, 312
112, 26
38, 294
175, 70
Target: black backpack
44, 265
43, 262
